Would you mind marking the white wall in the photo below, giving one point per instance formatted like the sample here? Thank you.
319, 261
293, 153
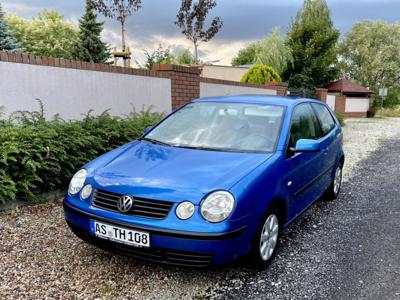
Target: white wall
224, 72
213, 89
72, 92
357, 104
330, 101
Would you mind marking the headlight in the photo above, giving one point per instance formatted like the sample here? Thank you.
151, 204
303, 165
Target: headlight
86, 191
77, 182
217, 206
185, 210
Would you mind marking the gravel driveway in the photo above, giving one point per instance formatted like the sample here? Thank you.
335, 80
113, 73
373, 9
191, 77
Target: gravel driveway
344, 249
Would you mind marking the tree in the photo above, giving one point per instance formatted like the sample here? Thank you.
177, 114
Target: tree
164, 56
159, 56
89, 46
302, 86
184, 58
8, 41
48, 34
393, 98
190, 19
246, 56
261, 74
118, 9
271, 51
369, 54
312, 40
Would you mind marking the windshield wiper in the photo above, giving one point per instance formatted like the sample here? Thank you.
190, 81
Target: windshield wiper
153, 141
201, 148
218, 149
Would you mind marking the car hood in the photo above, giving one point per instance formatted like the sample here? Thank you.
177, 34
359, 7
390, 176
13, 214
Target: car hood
170, 173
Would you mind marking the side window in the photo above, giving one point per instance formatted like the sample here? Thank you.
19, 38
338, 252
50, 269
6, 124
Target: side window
325, 118
304, 124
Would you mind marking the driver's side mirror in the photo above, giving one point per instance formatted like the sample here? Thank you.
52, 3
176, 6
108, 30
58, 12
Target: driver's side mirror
306, 145
148, 129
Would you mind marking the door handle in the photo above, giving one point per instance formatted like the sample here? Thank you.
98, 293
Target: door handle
325, 150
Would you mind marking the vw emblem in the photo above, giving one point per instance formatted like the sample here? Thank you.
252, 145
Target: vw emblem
125, 203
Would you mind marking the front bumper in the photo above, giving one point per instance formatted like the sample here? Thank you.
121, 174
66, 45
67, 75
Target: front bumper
193, 249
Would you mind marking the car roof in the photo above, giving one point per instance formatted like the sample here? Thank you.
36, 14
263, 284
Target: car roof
257, 99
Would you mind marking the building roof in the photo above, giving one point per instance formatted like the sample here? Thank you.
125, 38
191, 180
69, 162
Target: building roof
347, 87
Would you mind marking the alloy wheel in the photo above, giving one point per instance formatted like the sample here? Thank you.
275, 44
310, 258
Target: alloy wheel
269, 237
337, 182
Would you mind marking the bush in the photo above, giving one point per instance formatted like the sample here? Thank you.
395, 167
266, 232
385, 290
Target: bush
389, 112
392, 101
340, 118
302, 86
261, 74
38, 156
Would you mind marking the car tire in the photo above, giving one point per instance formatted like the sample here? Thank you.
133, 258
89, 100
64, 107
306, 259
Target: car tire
266, 240
334, 189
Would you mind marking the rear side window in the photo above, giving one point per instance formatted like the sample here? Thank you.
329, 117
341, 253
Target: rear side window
325, 118
304, 124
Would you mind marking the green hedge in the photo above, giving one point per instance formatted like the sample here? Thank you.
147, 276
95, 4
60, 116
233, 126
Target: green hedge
260, 74
38, 156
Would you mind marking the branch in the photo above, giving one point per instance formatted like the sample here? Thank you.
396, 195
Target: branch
117, 9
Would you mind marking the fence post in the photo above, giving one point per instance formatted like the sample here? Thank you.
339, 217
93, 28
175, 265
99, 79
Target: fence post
281, 88
185, 83
321, 94
340, 104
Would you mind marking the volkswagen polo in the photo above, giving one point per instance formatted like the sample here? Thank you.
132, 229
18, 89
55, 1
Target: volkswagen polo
216, 180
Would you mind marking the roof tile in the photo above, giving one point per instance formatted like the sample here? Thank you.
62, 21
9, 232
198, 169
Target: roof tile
347, 87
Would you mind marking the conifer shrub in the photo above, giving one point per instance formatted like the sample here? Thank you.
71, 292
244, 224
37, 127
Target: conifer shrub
261, 74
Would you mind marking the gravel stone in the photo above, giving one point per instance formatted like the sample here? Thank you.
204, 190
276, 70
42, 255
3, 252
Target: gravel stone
321, 255
363, 136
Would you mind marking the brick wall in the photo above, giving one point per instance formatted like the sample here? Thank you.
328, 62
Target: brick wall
185, 83
73, 64
340, 104
72, 88
355, 114
321, 94
237, 83
281, 88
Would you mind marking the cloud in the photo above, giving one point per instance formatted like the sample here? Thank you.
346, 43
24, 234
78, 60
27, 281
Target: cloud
20, 9
214, 50
244, 21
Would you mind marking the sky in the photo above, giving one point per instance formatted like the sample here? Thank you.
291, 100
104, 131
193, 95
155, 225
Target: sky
244, 22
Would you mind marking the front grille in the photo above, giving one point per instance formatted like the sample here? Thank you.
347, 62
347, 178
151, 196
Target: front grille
172, 257
147, 208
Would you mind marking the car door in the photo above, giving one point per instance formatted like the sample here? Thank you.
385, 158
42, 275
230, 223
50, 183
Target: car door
330, 142
305, 168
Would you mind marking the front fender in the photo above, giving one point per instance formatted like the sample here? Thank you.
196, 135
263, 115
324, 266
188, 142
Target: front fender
258, 190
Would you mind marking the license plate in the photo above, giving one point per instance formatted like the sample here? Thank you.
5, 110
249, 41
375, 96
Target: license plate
120, 234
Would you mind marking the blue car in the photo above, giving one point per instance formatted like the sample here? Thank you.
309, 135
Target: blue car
216, 180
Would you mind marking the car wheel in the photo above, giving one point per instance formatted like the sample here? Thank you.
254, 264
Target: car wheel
266, 240
334, 188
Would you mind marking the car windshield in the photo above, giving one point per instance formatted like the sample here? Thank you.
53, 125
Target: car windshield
241, 127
